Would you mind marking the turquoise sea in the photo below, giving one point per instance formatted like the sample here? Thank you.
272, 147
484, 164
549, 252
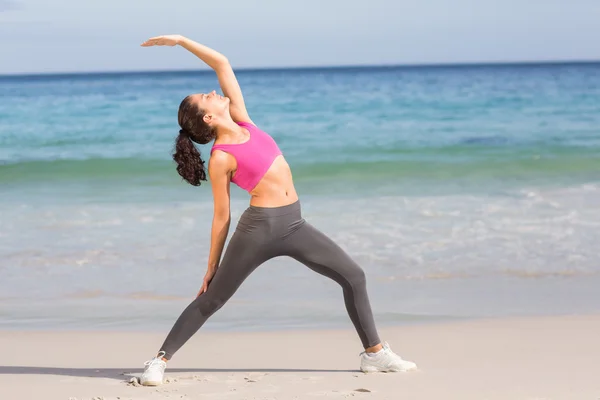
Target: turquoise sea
463, 191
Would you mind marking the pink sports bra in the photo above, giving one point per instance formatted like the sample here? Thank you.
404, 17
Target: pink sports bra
254, 156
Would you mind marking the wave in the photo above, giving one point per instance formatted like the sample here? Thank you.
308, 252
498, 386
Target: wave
425, 165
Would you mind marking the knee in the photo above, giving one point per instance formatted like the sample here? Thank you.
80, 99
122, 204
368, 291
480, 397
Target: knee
357, 278
208, 305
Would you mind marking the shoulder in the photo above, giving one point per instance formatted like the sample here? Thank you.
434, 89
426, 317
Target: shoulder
252, 127
247, 124
219, 162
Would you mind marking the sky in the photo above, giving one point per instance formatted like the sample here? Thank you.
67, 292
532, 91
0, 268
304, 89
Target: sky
43, 36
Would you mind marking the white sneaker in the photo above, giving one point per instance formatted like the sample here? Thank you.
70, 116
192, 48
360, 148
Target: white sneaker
154, 371
385, 360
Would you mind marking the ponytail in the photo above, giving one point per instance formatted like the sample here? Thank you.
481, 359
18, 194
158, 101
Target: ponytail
189, 163
193, 129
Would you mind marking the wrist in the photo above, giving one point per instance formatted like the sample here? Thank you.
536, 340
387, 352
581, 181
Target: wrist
212, 267
181, 40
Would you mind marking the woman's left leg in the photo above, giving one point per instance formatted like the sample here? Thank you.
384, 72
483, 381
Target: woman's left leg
321, 254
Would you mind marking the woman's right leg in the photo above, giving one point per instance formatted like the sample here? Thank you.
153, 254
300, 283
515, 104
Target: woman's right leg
241, 257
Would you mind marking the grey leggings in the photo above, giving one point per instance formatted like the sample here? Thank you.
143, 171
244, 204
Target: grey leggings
261, 234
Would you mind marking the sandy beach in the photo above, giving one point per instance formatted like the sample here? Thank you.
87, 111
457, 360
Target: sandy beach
518, 358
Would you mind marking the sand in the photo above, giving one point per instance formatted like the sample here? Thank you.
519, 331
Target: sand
519, 358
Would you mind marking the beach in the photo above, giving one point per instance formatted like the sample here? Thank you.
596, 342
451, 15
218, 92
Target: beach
468, 194
518, 358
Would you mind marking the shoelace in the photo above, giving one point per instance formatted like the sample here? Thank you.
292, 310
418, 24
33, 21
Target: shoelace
156, 360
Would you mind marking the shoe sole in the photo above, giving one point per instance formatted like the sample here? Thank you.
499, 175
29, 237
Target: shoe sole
151, 383
370, 370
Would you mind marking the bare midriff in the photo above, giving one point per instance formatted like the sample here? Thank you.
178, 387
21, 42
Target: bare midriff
276, 188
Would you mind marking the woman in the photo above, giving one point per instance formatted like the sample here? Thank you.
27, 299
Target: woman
271, 226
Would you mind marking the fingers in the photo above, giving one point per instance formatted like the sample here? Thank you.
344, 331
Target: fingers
149, 43
202, 289
152, 41
205, 284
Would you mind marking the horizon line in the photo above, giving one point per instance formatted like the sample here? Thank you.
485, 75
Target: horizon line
315, 67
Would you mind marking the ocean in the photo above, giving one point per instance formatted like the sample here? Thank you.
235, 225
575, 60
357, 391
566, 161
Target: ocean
464, 192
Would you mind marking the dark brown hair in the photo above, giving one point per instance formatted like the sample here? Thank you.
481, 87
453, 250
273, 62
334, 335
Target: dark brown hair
193, 129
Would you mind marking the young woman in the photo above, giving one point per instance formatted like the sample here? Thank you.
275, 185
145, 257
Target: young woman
271, 226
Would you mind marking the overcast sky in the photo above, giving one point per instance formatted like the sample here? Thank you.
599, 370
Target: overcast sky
104, 35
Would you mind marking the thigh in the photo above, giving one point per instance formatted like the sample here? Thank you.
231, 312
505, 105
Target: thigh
242, 256
320, 253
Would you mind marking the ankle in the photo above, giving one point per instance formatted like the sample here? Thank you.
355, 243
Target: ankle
162, 355
374, 349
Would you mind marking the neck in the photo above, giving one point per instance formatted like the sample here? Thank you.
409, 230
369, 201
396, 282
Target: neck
228, 129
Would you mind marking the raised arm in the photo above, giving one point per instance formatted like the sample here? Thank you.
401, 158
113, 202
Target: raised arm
219, 63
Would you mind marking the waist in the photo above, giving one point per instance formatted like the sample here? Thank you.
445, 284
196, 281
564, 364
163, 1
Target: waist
268, 223
267, 212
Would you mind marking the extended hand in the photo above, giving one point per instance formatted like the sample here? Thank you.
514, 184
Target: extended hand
165, 40
207, 278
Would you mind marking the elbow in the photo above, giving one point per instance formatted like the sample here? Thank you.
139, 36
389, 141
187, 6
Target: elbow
222, 63
222, 217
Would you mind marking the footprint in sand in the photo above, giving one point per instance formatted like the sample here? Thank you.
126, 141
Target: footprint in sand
313, 378
253, 377
206, 378
302, 379
342, 393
